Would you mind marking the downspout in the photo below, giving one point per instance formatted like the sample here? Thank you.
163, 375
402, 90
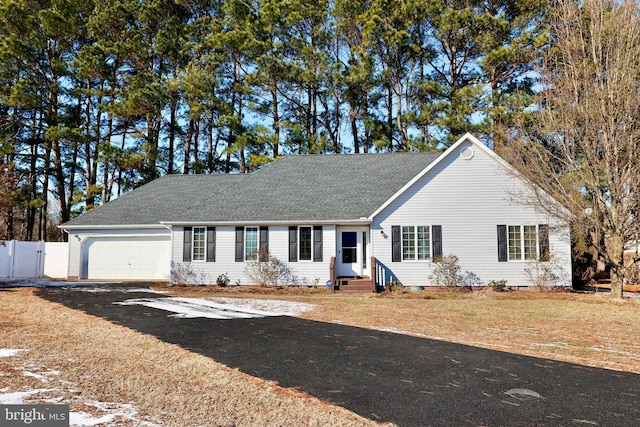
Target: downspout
170, 228
12, 257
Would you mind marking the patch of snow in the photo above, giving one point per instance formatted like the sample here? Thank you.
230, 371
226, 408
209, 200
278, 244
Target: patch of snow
145, 290
18, 397
398, 331
104, 289
115, 411
10, 352
288, 308
226, 308
84, 419
42, 377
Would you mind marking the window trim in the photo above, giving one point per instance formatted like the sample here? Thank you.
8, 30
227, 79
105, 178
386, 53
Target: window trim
254, 255
416, 244
311, 243
522, 244
189, 247
202, 242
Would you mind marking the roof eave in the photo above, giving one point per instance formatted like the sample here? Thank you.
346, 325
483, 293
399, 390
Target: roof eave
113, 227
359, 221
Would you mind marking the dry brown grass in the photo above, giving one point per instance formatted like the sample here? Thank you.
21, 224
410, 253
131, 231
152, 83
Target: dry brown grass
166, 383
98, 360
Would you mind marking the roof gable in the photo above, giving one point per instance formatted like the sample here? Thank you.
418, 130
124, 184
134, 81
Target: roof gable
466, 138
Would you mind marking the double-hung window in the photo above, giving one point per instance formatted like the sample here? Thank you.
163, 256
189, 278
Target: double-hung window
523, 242
251, 244
306, 243
416, 243
199, 243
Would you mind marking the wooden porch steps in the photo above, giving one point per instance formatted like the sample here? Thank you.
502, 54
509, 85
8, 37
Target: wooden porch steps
354, 285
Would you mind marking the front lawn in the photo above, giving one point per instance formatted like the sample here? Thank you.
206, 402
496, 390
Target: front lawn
111, 375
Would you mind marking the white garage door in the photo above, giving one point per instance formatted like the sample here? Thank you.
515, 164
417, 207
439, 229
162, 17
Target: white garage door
132, 258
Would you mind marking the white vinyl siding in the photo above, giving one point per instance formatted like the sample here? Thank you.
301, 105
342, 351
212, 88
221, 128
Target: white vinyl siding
468, 198
307, 273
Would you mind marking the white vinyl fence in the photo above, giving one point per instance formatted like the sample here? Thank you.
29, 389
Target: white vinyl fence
30, 260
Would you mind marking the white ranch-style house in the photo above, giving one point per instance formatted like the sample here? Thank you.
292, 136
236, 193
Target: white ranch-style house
356, 220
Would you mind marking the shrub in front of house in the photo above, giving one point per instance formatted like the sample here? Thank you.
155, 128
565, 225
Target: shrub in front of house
498, 285
393, 285
542, 274
222, 280
446, 272
268, 270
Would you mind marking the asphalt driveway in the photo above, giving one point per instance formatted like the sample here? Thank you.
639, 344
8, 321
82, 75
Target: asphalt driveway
386, 376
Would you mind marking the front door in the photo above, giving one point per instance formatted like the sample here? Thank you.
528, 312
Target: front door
353, 246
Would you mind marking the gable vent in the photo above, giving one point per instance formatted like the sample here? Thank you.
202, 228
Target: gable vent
467, 153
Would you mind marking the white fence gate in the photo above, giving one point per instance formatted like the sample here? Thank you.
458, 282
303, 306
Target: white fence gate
30, 260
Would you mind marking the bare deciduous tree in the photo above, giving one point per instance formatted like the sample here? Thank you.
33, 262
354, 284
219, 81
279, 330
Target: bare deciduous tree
584, 149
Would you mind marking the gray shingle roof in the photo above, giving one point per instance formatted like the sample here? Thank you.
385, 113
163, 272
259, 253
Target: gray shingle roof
294, 188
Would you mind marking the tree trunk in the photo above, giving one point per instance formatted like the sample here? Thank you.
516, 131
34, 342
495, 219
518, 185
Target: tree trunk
187, 148
210, 155
404, 139
354, 128
390, 116
172, 133
615, 251
197, 167
276, 121
33, 182
106, 188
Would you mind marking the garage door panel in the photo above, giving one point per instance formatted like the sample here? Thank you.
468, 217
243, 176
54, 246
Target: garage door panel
147, 258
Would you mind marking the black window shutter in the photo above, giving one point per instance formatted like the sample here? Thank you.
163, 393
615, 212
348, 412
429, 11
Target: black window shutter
293, 243
436, 241
211, 244
502, 243
186, 245
317, 243
396, 244
239, 244
264, 244
543, 239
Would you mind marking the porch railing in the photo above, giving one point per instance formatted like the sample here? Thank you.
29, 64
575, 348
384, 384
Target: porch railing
332, 271
381, 274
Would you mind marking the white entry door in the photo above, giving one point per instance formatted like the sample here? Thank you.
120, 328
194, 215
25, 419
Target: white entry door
353, 252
